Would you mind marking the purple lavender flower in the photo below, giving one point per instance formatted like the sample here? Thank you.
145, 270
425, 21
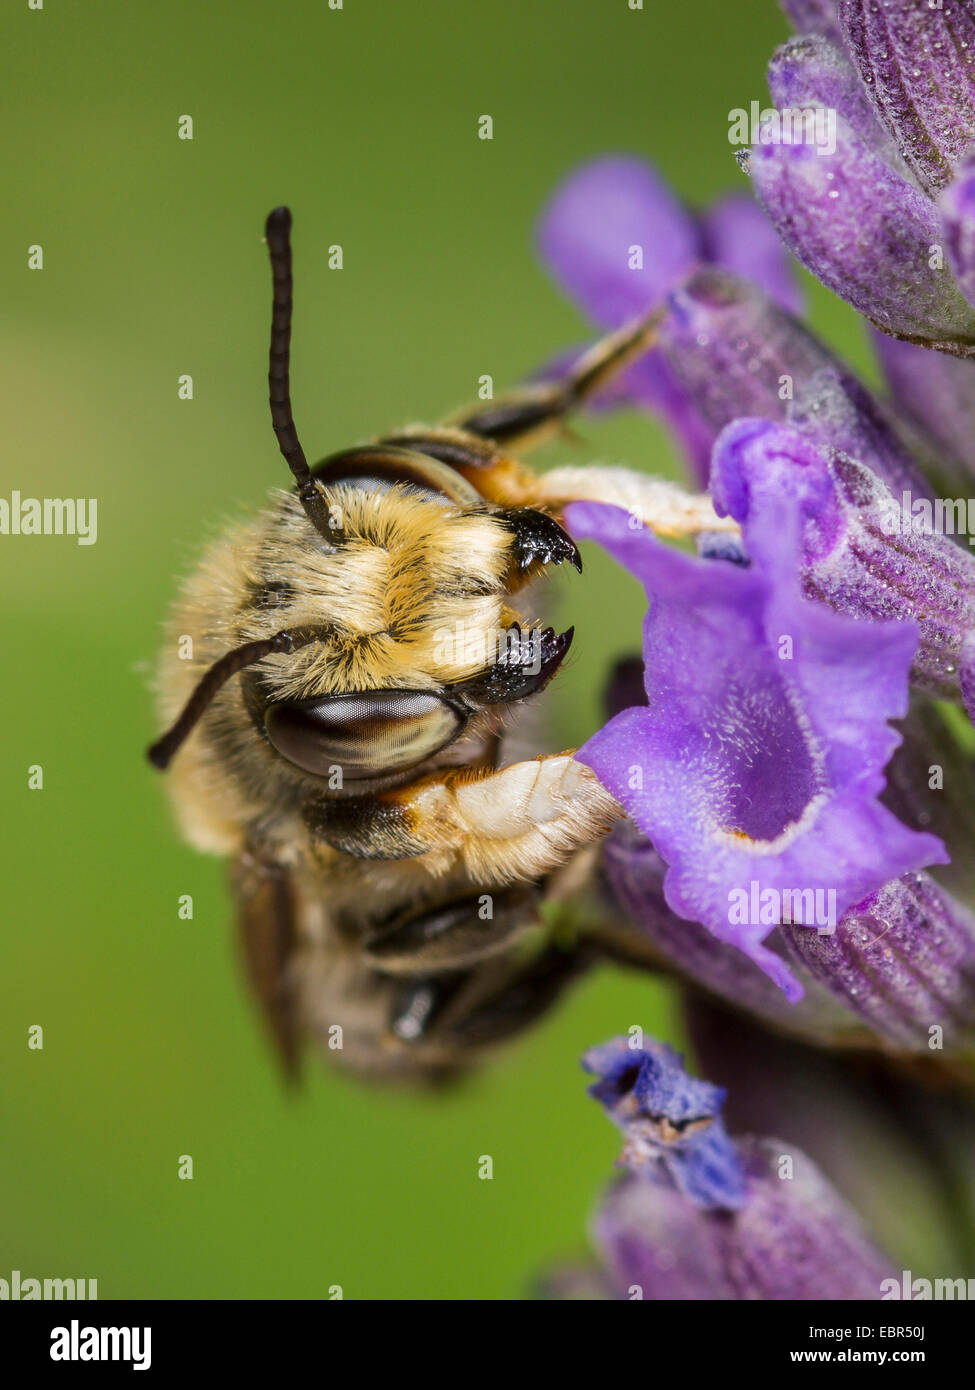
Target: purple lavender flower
917, 63
707, 1217
869, 213
757, 765
733, 350
863, 551
669, 1119
934, 390
730, 350
814, 17
958, 212
617, 239
793, 1239
752, 757
897, 973
735, 353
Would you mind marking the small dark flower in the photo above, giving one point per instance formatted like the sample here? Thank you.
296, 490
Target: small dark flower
670, 1120
703, 1217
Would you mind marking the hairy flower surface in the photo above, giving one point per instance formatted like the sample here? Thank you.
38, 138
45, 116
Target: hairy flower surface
903, 959
871, 213
794, 1239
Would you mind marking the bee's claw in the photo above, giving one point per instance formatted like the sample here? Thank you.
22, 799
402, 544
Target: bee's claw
539, 539
529, 661
554, 647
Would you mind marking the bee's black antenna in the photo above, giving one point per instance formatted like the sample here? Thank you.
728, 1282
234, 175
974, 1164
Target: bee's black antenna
291, 639
277, 233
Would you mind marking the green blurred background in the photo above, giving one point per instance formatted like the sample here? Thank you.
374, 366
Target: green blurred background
364, 120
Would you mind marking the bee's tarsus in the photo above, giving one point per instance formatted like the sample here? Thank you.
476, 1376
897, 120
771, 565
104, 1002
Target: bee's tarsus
529, 661
533, 412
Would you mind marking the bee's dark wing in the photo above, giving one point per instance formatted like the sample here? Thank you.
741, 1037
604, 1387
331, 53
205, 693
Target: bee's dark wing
265, 919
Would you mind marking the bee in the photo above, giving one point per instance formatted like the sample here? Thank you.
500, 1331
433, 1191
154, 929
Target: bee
345, 725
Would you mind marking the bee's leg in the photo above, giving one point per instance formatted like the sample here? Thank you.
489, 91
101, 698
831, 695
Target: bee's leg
662, 506
486, 1005
265, 906
514, 824
478, 444
524, 417
512, 1001
454, 935
477, 437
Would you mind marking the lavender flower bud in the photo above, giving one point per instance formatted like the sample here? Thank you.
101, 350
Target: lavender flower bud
702, 1217
904, 961
917, 63
814, 17
794, 1238
734, 350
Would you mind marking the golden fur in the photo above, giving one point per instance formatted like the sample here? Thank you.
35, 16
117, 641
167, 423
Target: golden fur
403, 569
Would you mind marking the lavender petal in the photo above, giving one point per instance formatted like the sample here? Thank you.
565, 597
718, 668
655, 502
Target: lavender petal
606, 217
865, 552
745, 768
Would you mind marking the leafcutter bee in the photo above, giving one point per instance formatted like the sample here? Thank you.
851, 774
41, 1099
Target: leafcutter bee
345, 724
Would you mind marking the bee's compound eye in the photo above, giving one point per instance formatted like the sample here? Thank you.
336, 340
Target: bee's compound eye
366, 734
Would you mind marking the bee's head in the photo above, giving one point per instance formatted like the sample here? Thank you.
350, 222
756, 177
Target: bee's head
419, 643
378, 627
